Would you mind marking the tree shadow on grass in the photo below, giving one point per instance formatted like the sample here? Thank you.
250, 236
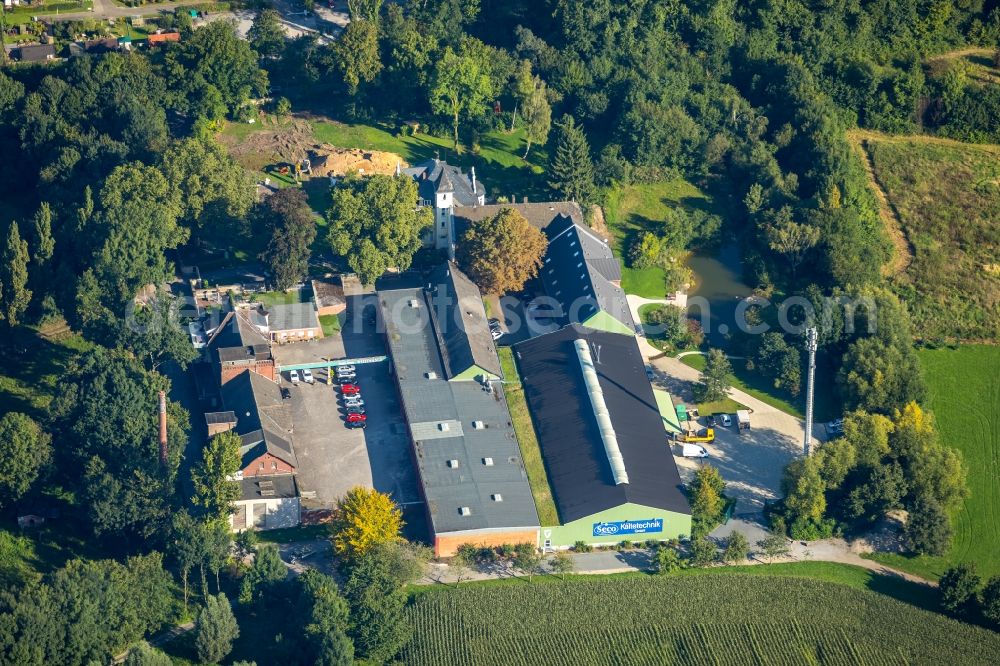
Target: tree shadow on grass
30, 381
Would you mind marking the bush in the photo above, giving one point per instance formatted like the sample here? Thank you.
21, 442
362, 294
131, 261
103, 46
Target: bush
582, 547
702, 552
737, 548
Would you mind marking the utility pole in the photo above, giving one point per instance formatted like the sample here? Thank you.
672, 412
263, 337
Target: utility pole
811, 345
3, 33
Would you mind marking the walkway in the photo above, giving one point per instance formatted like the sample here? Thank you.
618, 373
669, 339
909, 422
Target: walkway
635, 303
641, 560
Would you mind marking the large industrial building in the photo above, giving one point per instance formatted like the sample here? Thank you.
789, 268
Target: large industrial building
448, 376
603, 437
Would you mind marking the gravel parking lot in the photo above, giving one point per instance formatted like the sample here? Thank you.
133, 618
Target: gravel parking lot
334, 458
751, 463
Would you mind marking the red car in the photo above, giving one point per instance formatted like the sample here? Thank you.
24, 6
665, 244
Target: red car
356, 418
350, 389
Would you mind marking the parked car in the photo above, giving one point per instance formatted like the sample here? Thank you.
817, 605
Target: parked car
285, 393
710, 420
496, 333
344, 369
727, 421
294, 376
494, 323
356, 404
350, 389
346, 379
307, 377
354, 409
355, 424
354, 418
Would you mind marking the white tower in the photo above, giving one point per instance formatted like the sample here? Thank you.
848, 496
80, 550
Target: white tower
811, 345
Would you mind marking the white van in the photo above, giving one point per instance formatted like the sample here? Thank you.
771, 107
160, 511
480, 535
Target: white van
693, 451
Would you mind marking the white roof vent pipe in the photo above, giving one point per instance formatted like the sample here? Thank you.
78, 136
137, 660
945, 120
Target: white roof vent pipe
596, 395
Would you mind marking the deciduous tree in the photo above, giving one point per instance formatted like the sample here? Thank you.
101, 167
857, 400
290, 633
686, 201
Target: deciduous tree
266, 34
460, 87
215, 630
25, 450
537, 114
267, 571
562, 564
928, 528
357, 55
364, 519
716, 377
991, 601
502, 252
215, 486
14, 293
379, 627
376, 224
959, 588
286, 217
44, 242
736, 548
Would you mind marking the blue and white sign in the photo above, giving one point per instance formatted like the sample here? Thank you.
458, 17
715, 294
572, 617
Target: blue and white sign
628, 527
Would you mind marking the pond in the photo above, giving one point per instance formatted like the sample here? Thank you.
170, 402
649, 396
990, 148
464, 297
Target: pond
718, 289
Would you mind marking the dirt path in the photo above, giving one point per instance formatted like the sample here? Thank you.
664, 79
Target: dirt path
961, 53
902, 254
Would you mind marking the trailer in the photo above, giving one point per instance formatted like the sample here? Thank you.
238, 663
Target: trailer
743, 419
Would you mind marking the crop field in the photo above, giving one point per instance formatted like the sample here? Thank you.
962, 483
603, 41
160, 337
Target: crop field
946, 196
685, 620
964, 389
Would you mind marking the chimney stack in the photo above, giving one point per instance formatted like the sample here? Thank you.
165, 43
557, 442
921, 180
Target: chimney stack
163, 428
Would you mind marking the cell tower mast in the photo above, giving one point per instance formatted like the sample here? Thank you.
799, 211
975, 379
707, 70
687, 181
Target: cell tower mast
811, 345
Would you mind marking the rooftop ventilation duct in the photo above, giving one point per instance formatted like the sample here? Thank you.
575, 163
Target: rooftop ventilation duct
601, 412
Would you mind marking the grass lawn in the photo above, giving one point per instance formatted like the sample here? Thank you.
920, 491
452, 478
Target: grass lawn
524, 429
964, 388
19, 15
947, 197
330, 324
293, 534
498, 162
282, 297
757, 386
631, 209
38, 359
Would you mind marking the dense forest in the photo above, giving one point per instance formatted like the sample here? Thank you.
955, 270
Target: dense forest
110, 166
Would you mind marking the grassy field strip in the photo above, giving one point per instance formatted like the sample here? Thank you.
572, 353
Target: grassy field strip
524, 429
946, 196
903, 252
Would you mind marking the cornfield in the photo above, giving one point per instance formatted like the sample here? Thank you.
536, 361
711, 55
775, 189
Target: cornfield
723, 619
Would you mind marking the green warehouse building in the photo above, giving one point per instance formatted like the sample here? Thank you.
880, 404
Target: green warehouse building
603, 439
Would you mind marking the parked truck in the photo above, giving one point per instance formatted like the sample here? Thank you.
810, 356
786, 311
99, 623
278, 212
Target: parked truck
703, 435
743, 419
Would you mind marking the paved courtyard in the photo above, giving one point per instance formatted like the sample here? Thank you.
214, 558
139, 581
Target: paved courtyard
333, 459
751, 463
356, 339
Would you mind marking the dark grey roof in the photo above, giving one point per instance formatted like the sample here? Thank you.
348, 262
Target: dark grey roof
281, 486
463, 421
460, 319
435, 176
292, 316
248, 353
578, 271
236, 330
263, 419
539, 215
571, 444
36, 52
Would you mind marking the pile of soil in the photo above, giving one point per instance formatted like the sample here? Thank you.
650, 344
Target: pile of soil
291, 142
328, 160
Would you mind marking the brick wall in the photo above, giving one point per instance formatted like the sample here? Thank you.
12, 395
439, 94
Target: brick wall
447, 545
263, 368
271, 465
